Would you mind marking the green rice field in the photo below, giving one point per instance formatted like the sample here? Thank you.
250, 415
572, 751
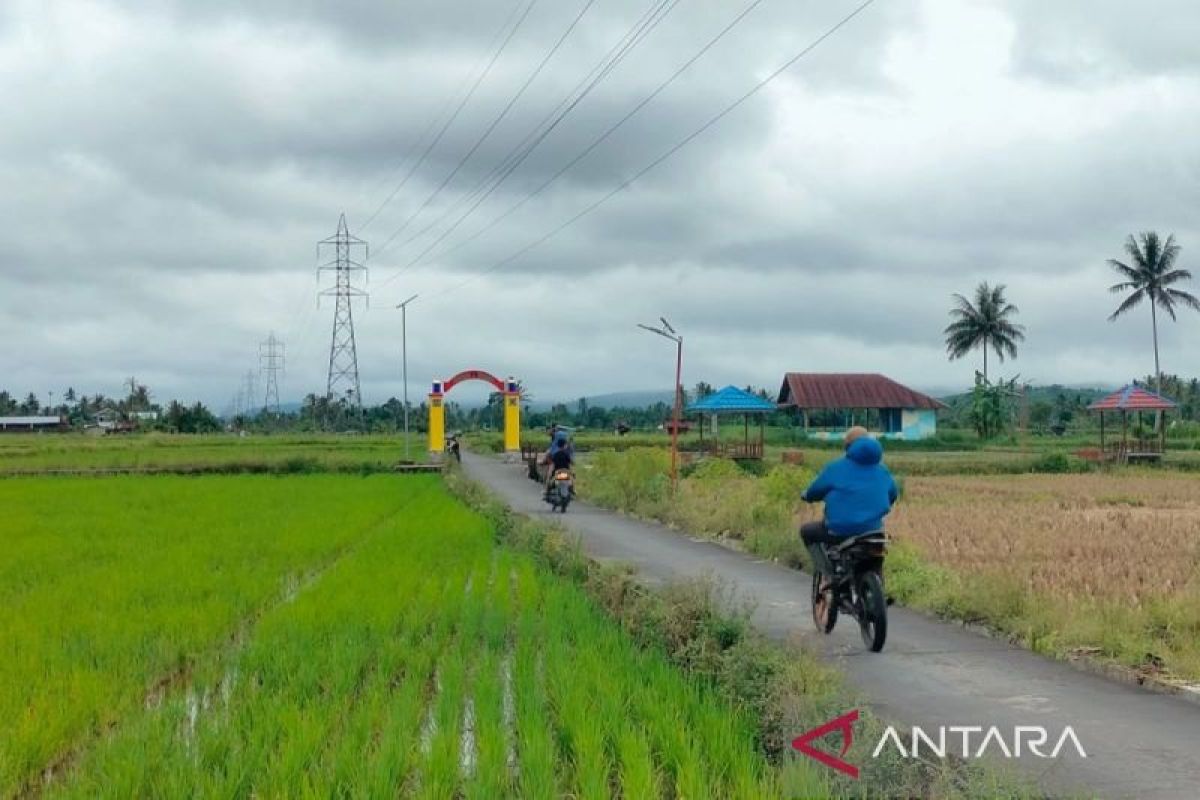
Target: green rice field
74, 452
327, 635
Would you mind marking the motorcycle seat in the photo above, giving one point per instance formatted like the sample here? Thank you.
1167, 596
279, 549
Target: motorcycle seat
861, 538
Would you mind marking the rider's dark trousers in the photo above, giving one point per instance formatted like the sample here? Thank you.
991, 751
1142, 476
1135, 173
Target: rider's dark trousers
815, 535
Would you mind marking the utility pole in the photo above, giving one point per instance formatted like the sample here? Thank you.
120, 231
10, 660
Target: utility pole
667, 332
404, 361
343, 355
271, 363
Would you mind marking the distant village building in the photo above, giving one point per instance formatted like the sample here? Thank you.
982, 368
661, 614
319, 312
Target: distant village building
32, 424
898, 411
110, 420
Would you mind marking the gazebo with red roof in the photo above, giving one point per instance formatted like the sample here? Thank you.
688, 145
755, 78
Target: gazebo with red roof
1136, 399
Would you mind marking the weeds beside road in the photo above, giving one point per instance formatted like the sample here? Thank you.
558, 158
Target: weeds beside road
1103, 565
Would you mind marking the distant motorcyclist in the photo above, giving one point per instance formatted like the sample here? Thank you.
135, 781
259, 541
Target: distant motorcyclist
858, 491
453, 445
561, 455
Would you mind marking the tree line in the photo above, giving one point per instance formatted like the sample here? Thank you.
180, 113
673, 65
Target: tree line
137, 410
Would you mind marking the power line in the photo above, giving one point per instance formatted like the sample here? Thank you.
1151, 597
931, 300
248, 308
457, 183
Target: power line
599, 139
641, 29
667, 154
517, 155
412, 150
462, 104
492, 127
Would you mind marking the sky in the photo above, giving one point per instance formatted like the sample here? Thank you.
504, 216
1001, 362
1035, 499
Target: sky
169, 167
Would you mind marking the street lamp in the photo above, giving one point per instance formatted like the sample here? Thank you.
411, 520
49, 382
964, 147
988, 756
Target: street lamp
667, 332
404, 358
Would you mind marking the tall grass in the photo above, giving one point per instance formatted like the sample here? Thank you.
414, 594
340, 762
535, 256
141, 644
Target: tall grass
717, 498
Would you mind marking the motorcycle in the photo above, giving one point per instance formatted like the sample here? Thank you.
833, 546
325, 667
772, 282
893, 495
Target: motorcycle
854, 588
453, 446
560, 490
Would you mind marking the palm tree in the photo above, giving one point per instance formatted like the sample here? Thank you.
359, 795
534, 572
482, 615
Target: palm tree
1151, 276
985, 323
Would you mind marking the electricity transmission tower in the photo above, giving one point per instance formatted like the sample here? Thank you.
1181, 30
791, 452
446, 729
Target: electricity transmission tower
270, 360
343, 357
248, 392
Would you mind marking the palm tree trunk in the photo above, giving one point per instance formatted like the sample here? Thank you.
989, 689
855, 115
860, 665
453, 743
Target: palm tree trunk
985, 347
1157, 369
1158, 417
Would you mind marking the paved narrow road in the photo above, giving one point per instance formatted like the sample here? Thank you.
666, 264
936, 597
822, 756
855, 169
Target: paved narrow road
1139, 744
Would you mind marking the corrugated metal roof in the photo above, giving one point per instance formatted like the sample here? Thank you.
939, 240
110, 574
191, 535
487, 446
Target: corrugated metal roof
1133, 398
732, 400
849, 390
30, 421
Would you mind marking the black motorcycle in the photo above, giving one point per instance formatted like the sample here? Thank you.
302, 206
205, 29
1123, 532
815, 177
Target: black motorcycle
560, 490
854, 588
455, 450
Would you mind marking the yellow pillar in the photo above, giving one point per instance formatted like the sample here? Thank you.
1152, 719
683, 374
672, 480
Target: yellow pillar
437, 421
512, 421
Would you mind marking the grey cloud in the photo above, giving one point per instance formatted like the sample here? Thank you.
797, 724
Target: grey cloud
171, 188
1090, 41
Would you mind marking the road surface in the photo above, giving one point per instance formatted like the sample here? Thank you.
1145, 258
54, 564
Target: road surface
1139, 743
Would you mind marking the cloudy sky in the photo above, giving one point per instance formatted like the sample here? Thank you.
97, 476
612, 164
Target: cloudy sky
169, 165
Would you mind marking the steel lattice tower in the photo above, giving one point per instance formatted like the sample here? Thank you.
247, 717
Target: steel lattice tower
248, 393
343, 356
270, 360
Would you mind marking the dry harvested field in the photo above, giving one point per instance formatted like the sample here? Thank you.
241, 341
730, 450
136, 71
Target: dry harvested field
1108, 561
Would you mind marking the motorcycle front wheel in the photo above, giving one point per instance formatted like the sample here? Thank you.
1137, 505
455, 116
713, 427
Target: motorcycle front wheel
824, 606
872, 611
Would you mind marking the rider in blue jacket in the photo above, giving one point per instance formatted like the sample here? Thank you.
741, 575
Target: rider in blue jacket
858, 491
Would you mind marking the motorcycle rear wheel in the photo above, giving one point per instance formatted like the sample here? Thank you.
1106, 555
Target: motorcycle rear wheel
824, 605
872, 611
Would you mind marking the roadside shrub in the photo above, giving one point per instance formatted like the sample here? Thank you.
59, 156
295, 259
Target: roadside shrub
636, 480
716, 469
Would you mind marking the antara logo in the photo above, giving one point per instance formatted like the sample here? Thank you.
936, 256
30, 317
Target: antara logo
964, 741
845, 724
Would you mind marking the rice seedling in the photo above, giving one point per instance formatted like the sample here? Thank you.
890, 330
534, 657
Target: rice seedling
288, 453
115, 590
426, 661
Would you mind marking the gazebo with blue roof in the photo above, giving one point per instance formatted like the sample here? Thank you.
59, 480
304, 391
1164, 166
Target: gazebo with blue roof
732, 400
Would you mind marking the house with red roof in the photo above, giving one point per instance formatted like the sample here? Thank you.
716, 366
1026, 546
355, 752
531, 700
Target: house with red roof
901, 412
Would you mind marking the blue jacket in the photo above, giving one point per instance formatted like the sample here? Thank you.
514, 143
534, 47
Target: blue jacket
561, 442
857, 489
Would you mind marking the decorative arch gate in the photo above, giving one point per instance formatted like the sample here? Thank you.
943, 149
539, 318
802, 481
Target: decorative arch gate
512, 408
